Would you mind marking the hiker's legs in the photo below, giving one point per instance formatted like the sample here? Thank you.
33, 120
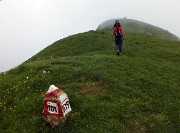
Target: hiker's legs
120, 45
117, 46
120, 48
119, 42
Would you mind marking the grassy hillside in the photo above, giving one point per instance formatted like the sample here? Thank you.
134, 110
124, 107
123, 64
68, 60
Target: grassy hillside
136, 92
139, 27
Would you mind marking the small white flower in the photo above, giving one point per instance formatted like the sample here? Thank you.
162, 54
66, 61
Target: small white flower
44, 71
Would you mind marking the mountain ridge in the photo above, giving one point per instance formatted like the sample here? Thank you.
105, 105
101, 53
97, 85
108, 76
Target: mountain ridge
139, 27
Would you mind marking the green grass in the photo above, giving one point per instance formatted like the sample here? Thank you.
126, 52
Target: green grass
136, 92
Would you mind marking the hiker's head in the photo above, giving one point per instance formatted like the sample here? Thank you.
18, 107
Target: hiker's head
117, 23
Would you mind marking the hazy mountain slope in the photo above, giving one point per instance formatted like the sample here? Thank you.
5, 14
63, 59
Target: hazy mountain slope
135, 26
136, 92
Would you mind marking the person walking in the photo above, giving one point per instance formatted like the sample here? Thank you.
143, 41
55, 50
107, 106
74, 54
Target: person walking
118, 36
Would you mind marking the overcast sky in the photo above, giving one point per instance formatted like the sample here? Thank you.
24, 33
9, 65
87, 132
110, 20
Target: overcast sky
28, 26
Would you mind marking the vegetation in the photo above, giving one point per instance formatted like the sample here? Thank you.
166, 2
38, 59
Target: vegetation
136, 92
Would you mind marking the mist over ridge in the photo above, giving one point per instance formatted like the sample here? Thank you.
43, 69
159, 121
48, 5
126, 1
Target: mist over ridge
139, 27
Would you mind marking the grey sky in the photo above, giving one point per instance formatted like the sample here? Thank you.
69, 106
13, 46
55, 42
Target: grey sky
28, 26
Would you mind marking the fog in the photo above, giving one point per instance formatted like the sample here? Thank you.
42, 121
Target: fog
28, 26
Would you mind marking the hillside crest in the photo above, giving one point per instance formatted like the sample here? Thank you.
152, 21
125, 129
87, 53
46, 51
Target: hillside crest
139, 27
135, 92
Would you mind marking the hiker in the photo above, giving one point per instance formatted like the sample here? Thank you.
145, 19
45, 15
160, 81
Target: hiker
118, 36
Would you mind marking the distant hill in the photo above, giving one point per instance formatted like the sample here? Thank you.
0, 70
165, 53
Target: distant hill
135, 26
